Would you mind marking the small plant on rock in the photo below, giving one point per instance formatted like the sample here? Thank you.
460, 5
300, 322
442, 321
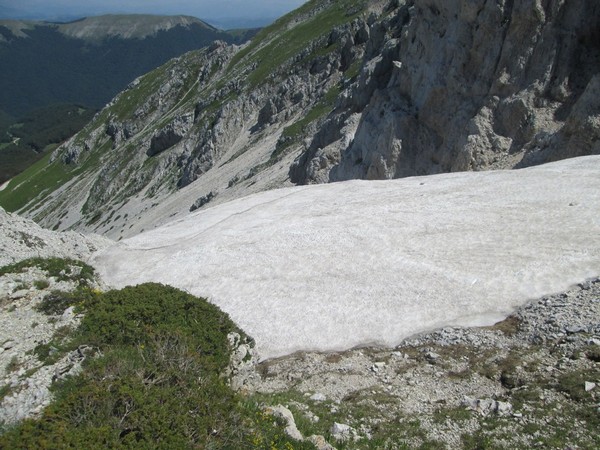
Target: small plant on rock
40, 285
13, 365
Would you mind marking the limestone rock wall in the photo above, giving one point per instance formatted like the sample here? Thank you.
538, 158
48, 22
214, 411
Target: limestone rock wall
452, 85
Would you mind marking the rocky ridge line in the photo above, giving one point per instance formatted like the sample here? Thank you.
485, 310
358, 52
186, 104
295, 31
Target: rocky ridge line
28, 339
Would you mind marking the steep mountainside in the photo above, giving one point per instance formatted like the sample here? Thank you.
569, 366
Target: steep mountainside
90, 60
333, 91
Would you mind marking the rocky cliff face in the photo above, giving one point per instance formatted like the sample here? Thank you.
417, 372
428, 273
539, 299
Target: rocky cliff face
334, 91
468, 85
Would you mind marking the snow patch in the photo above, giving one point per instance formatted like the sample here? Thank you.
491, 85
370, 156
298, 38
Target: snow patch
330, 267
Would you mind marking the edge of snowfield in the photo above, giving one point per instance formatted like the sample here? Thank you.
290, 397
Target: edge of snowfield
331, 267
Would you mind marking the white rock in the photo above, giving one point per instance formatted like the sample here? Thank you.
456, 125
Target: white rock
19, 294
432, 356
233, 339
42, 242
342, 432
503, 408
487, 406
240, 353
68, 315
589, 386
320, 442
470, 402
284, 413
377, 367
318, 397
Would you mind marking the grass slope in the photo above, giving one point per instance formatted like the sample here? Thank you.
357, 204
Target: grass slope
42, 177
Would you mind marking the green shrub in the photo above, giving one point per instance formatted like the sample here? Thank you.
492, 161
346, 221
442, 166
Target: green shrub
48, 353
56, 301
13, 365
592, 352
63, 269
41, 284
155, 381
573, 383
5, 391
138, 315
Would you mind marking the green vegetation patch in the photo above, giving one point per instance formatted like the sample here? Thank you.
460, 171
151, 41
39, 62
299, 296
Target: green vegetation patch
60, 268
59, 345
297, 130
57, 301
32, 186
131, 99
41, 177
5, 391
120, 318
573, 383
155, 380
297, 38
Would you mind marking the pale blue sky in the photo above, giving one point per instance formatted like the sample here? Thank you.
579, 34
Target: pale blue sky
238, 10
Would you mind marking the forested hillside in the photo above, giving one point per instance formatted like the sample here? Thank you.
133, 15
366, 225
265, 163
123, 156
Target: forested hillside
52, 63
26, 140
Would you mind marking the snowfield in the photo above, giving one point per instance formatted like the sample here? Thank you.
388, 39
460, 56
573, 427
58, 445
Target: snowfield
330, 267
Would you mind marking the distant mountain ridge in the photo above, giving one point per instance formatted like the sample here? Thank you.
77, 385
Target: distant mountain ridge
131, 26
89, 61
97, 28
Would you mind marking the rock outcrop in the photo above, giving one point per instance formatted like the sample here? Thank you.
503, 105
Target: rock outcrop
22, 238
170, 135
35, 320
28, 340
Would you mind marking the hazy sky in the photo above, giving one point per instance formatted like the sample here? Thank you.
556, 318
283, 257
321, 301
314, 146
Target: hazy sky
203, 9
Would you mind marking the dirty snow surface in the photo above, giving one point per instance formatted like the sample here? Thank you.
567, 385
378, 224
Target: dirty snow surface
330, 267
